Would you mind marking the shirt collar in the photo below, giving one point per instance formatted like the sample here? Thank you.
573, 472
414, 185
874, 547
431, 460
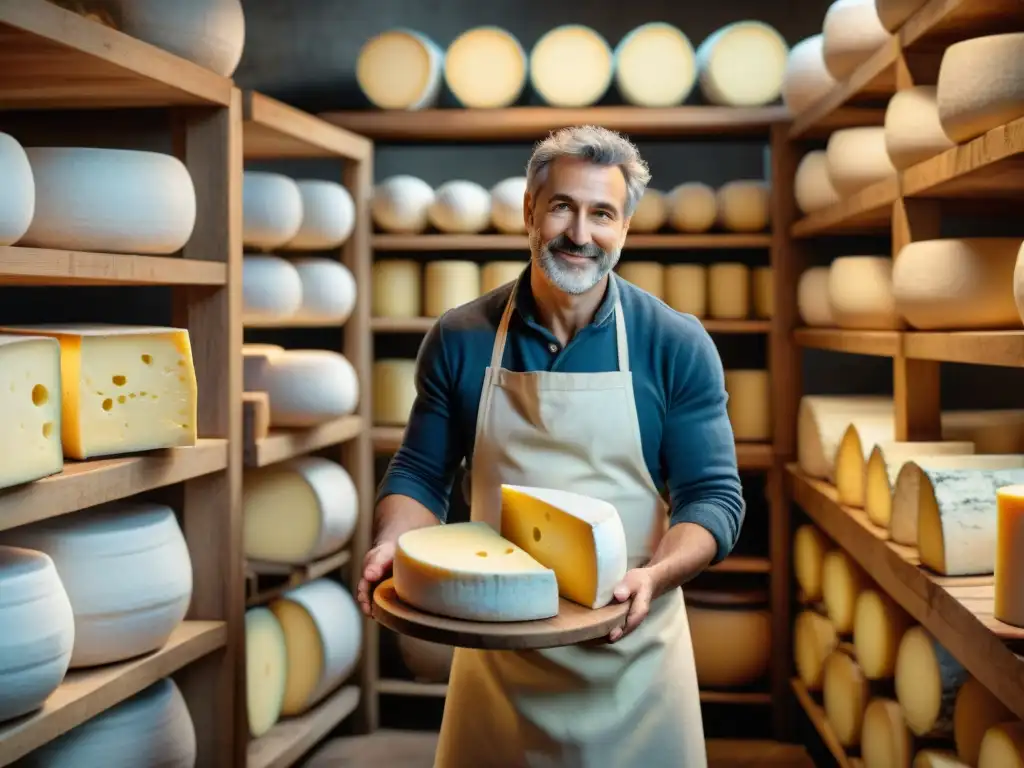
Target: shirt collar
526, 305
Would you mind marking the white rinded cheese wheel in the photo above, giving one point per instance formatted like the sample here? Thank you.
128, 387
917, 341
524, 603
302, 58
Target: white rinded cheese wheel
851, 32
885, 740
743, 206
266, 669
397, 288
17, 193
858, 158
860, 292
927, 679
400, 204
39, 631
127, 572
271, 288
655, 66
271, 210
400, 69
1002, 746
460, 206
323, 632
822, 421
651, 212
686, 288
975, 710
507, 205
571, 66
328, 216
749, 404
394, 391
892, 14
731, 635
957, 284
646, 275
449, 284
115, 200
742, 65
812, 299
878, 627
692, 207
328, 288
845, 695
812, 185
298, 511
842, 581
485, 68
814, 638
307, 387
495, 274
729, 291
763, 292
978, 89
806, 79
809, 548
913, 132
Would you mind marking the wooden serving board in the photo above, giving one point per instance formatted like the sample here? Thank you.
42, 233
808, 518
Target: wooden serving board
573, 624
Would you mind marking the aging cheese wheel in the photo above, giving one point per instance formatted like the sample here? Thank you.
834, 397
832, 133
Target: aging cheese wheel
814, 638
749, 405
812, 298
113, 200
743, 206
852, 32
271, 288
858, 158
646, 275
885, 740
686, 288
651, 212
400, 204
731, 635
271, 210
507, 205
927, 680
1003, 746
878, 627
495, 274
655, 66
18, 192
692, 207
742, 65
975, 93
975, 710
812, 185
449, 284
328, 216
913, 132
938, 758
394, 391
397, 288
806, 79
400, 69
485, 67
892, 14
845, 695
729, 291
266, 669
842, 581
306, 387
860, 292
809, 548
821, 423
571, 66
328, 288
763, 292
460, 206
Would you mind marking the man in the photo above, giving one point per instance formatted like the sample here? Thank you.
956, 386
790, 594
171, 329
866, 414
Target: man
573, 378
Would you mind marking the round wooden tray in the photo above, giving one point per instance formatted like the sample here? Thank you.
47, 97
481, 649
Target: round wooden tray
573, 624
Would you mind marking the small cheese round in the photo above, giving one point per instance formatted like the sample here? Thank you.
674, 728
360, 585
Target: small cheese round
686, 288
1003, 746
400, 69
571, 66
485, 67
507, 205
842, 580
885, 739
729, 291
271, 210
271, 288
692, 207
449, 284
845, 694
400, 204
858, 158
812, 298
651, 212
17, 193
495, 274
328, 288
655, 66
397, 288
860, 293
852, 32
812, 185
648, 276
926, 680
975, 711
731, 635
892, 13
809, 548
806, 79
814, 638
878, 627
308, 386
749, 404
266, 669
762, 290
975, 92
460, 207
913, 132
742, 64
394, 391
743, 206
328, 216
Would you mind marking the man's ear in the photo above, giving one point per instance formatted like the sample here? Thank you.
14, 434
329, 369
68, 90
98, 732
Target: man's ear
528, 210
625, 231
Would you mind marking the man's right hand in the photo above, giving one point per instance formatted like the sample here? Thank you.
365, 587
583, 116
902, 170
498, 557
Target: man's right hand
376, 565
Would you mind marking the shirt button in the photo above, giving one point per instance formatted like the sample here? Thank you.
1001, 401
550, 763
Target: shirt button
553, 348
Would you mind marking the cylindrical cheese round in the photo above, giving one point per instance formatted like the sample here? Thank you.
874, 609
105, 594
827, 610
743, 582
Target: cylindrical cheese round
400, 69
842, 580
749, 404
852, 32
913, 132
18, 191
975, 94
692, 207
812, 185
809, 548
400, 204
742, 64
686, 288
878, 627
271, 288
271, 210
266, 669
763, 292
1002, 746
397, 288
328, 288
845, 694
655, 66
495, 274
812, 298
885, 741
858, 158
507, 205
892, 13
571, 66
485, 67
731, 634
743, 206
938, 758
646, 275
308, 386
806, 79
113, 200
860, 293
651, 212
328, 216
927, 677
460, 207
394, 391
814, 638
975, 710
729, 291
449, 284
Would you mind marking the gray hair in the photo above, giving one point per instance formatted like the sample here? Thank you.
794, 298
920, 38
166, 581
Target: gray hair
598, 145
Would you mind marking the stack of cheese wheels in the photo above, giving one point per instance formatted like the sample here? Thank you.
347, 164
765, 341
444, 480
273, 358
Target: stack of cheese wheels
731, 633
822, 420
729, 291
1003, 744
328, 289
571, 66
127, 572
39, 630
651, 212
814, 638
852, 32
266, 669
495, 274
743, 206
460, 207
394, 391
858, 158
646, 275
271, 210
400, 69
323, 634
655, 66
975, 711
749, 404
742, 64
449, 284
809, 548
298, 511
812, 299
806, 78
507, 205
18, 194
842, 581
913, 132
686, 288
974, 95
885, 738
878, 627
812, 185
271, 288
401, 203
114, 200
762, 290
927, 680
845, 693
397, 288
892, 13
860, 293
328, 216
485, 68
692, 207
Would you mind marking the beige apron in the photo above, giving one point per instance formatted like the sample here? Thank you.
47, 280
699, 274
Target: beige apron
630, 704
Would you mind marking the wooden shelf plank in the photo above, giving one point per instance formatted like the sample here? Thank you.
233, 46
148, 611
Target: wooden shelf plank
293, 322
742, 564
742, 698
273, 129
999, 348
296, 575
88, 483
424, 324
51, 58
283, 444
291, 738
941, 22
497, 242
821, 724
865, 211
877, 343
45, 266
86, 693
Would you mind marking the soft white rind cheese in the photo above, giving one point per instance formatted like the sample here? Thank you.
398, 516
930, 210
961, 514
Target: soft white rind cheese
400, 204
860, 293
742, 64
306, 386
812, 300
806, 79
655, 66
271, 288
328, 216
858, 158
977, 87
812, 185
271, 210
328, 288
507, 205
400, 69
571, 66
460, 207
17, 193
913, 132
485, 68
266, 669
892, 14
852, 32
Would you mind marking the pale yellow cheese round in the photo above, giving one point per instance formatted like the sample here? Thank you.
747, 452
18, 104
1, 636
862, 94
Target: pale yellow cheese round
860, 293
892, 14
729, 291
927, 678
812, 185
485, 67
845, 694
742, 64
397, 288
651, 212
975, 711
814, 638
400, 69
749, 404
686, 288
655, 66
885, 741
806, 79
809, 548
266, 669
913, 132
858, 158
978, 89
449, 284
731, 644
842, 581
1003, 746
394, 391
743, 205
763, 292
571, 66
878, 627
852, 32
812, 298
646, 275
495, 274
692, 207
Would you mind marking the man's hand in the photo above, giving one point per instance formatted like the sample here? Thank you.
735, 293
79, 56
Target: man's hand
376, 565
637, 585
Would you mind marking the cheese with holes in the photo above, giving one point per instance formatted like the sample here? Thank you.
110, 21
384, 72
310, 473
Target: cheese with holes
892, 14
809, 548
328, 216
1009, 563
39, 631
975, 710
323, 634
845, 695
651, 212
468, 571
860, 293
852, 32
821, 423
858, 158
742, 64
692, 207
913, 132
763, 292
495, 274
938, 758
646, 275
976, 92
571, 66
729, 291
271, 210
814, 638
400, 69
743, 206
328, 289
449, 284
812, 299
298, 511
806, 79
812, 185
460, 207
655, 66
885, 740
394, 391
400, 204
266, 669
18, 194
397, 288
485, 68
124, 388
731, 634
855, 446
842, 581
749, 404
878, 627
1003, 746
507, 205
686, 288
305, 386
271, 288
927, 680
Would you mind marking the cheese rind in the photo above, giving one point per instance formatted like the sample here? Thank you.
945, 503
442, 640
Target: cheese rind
852, 32
885, 739
266, 669
460, 207
306, 386
729, 291
495, 274
328, 216
571, 66
814, 638
743, 205
400, 204
655, 66
651, 212
271, 209
742, 64
749, 404
806, 78
927, 680
1009, 558
913, 132
271, 288
975, 710
975, 93
821, 422
686, 288
858, 158
507, 205
809, 548
394, 390
397, 288
878, 627
449, 283
845, 695
860, 293
400, 69
692, 207
18, 194
842, 581
812, 185
646, 275
485, 68
731, 638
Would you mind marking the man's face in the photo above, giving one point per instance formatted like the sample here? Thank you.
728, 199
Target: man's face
577, 223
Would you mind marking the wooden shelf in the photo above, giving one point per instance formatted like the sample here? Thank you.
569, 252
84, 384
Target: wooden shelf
996, 348
283, 444
291, 738
497, 242
743, 698
88, 483
875, 343
816, 714
275, 130
86, 693
293, 322
742, 564
296, 575
51, 58
44, 266
867, 211
424, 324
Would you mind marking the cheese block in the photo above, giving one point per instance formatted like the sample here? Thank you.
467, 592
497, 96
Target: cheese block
124, 388
460, 207
821, 422
30, 406
495, 274
298, 511
812, 298
732, 636
271, 210
306, 387
743, 205
18, 194
842, 581
266, 669
974, 93
814, 638
468, 571
975, 710
851, 457
485, 67
927, 680
729, 291
742, 65
571, 66
328, 289
271, 288
655, 66
1003, 746
507, 205
394, 391
400, 69
812, 185
878, 627
397, 288
938, 758
809, 548
127, 572
885, 740
892, 14
852, 32
686, 288
692, 207
449, 284
646, 275
749, 404
400, 204
114, 200
806, 78
328, 216
913, 132
651, 212
763, 292
860, 293
39, 631
858, 158
1009, 567
323, 635
845, 695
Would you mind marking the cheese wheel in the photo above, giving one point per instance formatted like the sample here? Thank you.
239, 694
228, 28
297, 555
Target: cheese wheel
812, 185
858, 158
298, 511
18, 192
927, 680
127, 572
400, 204
974, 93
495, 274
852, 32
271, 210
845, 695
266, 669
938, 758
397, 288
812, 298
323, 632
692, 207
957, 284
655, 66
913, 132
842, 581
39, 631
115, 200
651, 212
460, 207
860, 293
400, 69
885, 741
686, 288
1003, 746
806, 79
975, 710
743, 206
731, 635
749, 404
762, 290
571, 66
394, 391
821, 423
507, 205
328, 216
814, 638
328, 288
851, 456
646, 275
307, 387
878, 627
742, 65
449, 284
485, 67
892, 14
271, 288
809, 548
729, 291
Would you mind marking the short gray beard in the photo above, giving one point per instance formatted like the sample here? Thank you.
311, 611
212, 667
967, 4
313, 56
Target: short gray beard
570, 278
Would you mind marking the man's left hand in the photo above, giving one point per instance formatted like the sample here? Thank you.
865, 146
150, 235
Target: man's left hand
638, 585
